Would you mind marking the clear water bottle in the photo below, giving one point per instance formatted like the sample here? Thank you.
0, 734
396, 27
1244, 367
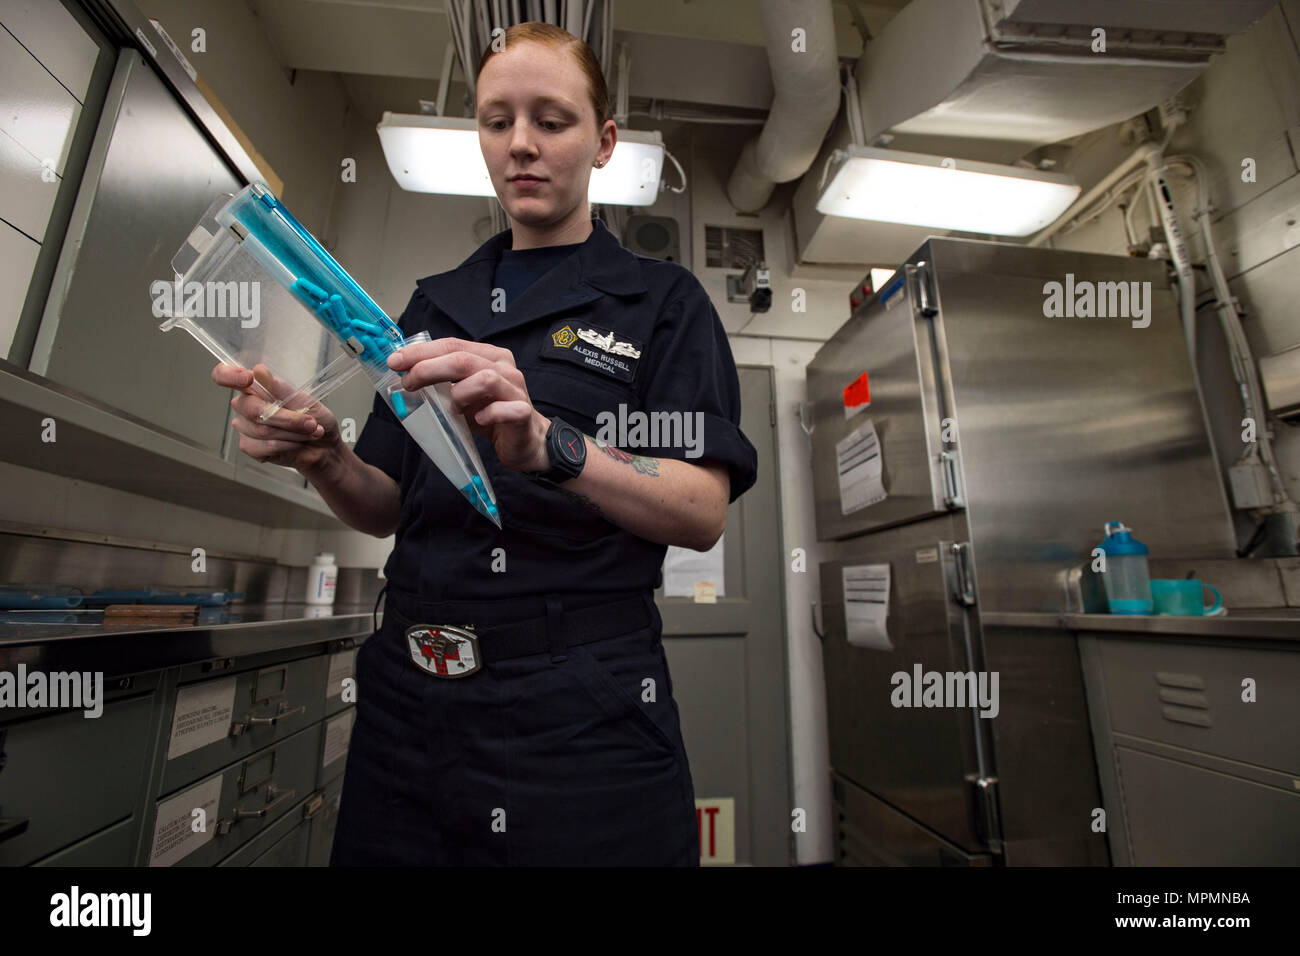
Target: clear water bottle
1126, 578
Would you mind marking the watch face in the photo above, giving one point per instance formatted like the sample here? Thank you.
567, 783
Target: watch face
571, 444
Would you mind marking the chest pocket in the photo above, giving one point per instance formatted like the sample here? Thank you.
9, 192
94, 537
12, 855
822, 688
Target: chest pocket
539, 509
578, 396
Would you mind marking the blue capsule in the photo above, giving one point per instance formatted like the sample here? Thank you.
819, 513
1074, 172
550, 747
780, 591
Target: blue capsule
399, 405
337, 314
310, 290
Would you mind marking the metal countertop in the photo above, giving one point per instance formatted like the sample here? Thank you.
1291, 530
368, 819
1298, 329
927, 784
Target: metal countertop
53, 642
1268, 623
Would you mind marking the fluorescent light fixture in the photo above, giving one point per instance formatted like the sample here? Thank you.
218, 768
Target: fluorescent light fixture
441, 154
886, 185
434, 154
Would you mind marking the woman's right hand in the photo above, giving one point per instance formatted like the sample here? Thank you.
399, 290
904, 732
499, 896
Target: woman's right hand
300, 439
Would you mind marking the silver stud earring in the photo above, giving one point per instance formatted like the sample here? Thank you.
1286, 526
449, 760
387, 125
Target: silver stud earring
599, 164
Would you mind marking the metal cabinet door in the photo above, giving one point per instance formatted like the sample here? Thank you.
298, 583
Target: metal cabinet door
70, 776
892, 342
150, 175
924, 761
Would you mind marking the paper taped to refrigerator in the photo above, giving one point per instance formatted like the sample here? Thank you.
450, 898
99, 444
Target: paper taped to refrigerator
860, 464
866, 605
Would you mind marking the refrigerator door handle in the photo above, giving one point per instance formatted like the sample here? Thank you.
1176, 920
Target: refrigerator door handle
988, 818
951, 479
965, 593
924, 294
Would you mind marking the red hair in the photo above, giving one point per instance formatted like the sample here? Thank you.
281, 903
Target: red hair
556, 37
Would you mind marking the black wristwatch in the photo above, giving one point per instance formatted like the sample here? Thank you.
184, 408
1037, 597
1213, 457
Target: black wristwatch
567, 449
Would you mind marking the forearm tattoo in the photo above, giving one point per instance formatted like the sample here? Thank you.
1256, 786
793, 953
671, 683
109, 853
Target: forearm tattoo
582, 500
646, 466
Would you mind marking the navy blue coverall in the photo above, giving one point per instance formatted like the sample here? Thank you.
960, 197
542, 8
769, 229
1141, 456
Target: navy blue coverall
559, 753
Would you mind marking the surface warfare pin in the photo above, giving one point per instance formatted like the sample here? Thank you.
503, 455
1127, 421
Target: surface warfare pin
602, 350
443, 650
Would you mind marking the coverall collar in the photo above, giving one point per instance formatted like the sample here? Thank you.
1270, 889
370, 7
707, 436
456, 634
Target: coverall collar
600, 266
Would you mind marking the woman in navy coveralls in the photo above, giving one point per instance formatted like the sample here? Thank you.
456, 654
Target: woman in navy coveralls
564, 746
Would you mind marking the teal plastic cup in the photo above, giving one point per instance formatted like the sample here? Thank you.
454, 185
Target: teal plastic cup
1185, 598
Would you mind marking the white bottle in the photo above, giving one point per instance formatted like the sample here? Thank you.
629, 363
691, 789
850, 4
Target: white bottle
321, 577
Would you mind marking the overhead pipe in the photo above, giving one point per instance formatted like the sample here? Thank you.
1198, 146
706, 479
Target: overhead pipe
805, 103
1146, 155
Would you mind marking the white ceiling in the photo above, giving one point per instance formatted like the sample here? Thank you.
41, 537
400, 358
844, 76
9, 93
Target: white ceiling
389, 52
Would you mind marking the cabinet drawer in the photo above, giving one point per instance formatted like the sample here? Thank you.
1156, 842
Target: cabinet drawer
111, 847
324, 819
70, 776
238, 803
1169, 803
334, 745
214, 721
289, 850
1191, 696
278, 842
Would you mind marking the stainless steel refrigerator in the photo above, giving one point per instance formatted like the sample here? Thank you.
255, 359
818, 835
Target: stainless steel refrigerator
975, 424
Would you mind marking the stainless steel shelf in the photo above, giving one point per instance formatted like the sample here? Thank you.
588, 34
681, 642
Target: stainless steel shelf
1268, 623
109, 447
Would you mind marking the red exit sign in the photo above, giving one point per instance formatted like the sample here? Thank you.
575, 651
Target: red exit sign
716, 819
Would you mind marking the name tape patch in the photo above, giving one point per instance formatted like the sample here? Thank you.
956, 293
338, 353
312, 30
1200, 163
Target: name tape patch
601, 350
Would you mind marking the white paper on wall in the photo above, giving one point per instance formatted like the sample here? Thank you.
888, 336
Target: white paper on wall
683, 568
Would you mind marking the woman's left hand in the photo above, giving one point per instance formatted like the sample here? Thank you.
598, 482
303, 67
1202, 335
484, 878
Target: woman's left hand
488, 389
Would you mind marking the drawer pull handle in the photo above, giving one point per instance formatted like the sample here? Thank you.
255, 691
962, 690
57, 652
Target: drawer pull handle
313, 806
270, 792
250, 721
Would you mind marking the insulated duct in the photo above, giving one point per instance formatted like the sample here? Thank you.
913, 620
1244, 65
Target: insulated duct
805, 77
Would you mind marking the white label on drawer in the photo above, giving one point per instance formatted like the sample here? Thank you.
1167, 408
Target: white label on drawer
174, 835
342, 665
202, 715
927, 555
337, 734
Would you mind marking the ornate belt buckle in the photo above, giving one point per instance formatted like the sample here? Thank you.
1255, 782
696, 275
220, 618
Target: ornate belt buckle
444, 650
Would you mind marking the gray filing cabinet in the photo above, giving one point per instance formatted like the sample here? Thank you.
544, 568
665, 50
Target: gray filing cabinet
85, 792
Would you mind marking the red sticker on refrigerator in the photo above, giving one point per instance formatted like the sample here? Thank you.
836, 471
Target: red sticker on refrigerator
857, 395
